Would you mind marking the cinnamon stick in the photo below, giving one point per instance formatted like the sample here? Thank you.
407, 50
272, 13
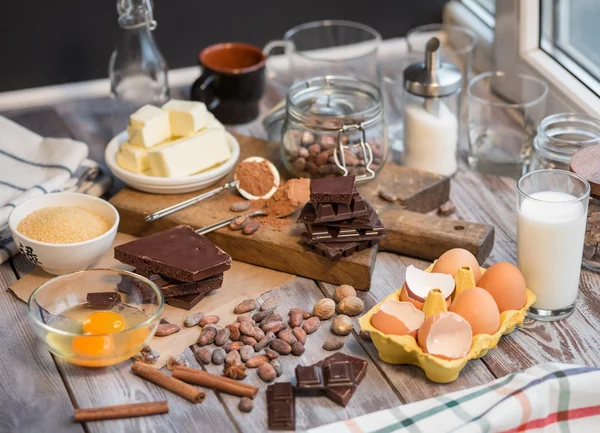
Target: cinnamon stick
121, 411
159, 378
220, 383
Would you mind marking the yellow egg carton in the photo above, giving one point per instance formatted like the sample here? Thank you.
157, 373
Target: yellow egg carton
403, 349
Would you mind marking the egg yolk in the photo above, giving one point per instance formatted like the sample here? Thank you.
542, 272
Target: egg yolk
90, 345
103, 322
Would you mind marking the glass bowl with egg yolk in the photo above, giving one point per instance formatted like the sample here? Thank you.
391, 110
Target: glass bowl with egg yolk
96, 334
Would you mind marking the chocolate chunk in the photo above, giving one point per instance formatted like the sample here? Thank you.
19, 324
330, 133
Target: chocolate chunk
364, 222
186, 302
281, 406
103, 300
320, 233
309, 378
170, 287
336, 250
342, 395
332, 190
339, 374
326, 212
178, 253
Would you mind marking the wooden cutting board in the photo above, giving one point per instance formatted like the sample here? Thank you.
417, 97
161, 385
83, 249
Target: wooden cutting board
409, 232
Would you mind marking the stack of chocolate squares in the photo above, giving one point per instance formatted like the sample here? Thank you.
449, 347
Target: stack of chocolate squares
338, 221
185, 265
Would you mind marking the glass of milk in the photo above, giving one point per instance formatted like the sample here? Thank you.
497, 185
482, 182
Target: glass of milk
551, 219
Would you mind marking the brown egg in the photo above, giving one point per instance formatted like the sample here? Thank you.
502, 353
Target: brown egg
398, 318
452, 260
506, 284
445, 335
477, 307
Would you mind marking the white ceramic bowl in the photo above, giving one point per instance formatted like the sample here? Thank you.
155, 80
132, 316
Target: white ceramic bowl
58, 259
169, 185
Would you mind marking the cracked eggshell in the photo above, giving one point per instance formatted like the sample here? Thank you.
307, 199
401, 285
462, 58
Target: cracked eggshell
477, 307
398, 318
445, 335
452, 260
419, 283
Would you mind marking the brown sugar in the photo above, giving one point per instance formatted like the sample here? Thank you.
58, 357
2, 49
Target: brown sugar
255, 178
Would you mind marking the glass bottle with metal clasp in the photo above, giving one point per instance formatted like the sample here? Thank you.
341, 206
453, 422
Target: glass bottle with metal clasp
334, 126
137, 69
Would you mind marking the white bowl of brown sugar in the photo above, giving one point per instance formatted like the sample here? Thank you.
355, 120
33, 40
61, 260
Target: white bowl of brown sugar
64, 232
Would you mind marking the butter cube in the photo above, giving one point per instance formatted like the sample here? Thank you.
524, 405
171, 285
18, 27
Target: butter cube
189, 155
212, 122
148, 126
133, 158
186, 117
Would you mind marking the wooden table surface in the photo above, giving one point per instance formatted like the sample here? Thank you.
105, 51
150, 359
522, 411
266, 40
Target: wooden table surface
38, 392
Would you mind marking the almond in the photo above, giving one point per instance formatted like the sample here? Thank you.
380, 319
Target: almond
324, 308
351, 306
342, 292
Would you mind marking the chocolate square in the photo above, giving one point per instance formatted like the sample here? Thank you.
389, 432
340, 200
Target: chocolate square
342, 395
332, 190
334, 251
179, 253
322, 233
281, 406
309, 377
170, 287
328, 212
338, 374
102, 300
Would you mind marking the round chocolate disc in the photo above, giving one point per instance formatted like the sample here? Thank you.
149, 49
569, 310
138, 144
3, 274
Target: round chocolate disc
586, 163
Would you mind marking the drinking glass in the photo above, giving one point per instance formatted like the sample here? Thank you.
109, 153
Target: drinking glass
503, 113
329, 47
551, 219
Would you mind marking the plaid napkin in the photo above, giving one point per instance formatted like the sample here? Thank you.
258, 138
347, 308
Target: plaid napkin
31, 165
544, 398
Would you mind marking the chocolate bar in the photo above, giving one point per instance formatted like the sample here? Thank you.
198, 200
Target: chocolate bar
186, 302
327, 212
339, 374
103, 300
309, 378
320, 233
179, 253
170, 287
336, 250
332, 190
281, 406
363, 222
342, 395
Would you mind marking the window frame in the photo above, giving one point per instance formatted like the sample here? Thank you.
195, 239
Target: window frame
517, 45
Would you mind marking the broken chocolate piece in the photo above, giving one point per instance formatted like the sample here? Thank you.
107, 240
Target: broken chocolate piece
338, 374
342, 395
309, 378
171, 287
281, 406
326, 212
103, 300
179, 253
336, 250
186, 302
332, 190
320, 233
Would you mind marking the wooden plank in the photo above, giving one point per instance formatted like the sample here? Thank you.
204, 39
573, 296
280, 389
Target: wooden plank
312, 411
95, 387
33, 395
409, 381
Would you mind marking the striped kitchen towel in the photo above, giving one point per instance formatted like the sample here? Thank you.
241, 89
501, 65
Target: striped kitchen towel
31, 165
544, 398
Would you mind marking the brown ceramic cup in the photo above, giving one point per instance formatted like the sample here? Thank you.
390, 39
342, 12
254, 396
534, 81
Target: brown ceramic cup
232, 81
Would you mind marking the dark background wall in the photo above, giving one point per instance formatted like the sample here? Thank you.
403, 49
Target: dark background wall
44, 42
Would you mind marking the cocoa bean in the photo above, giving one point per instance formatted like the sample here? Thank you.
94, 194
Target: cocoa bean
248, 340
274, 327
266, 372
247, 328
235, 325
246, 405
233, 357
306, 315
246, 353
193, 319
218, 356
257, 360
207, 336
270, 303
245, 306
281, 347
261, 315
300, 334
203, 355
251, 228
333, 344
264, 342
165, 329
273, 317
236, 345
209, 320
311, 168
296, 319
299, 164
321, 158
365, 335
297, 348
222, 336
271, 353
287, 336
328, 142
311, 325
246, 319
259, 334
239, 223
276, 363
307, 138
240, 206
234, 332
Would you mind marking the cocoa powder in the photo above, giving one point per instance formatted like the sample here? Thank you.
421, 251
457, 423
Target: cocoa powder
255, 177
289, 197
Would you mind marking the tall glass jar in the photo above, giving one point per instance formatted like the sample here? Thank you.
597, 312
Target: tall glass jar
334, 126
137, 69
559, 137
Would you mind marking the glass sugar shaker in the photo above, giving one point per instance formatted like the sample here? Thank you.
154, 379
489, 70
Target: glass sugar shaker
137, 69
431, 113
559, 137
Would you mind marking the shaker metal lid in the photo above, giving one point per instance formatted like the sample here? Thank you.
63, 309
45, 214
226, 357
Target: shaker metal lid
586, 163
432, 78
